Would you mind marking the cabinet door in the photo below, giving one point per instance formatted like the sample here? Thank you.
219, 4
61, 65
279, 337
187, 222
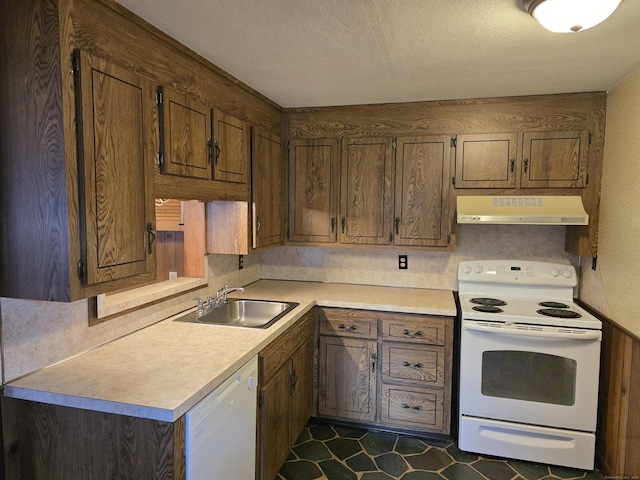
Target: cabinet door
302, 393
231, 149
554, 159
347, 378
267, 179
185, 125
367, 181
422, 190
275, 425
117, 191
313, 176
486, 161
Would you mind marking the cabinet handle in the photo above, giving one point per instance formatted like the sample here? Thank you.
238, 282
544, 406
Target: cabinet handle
397, 225
526, 166
151, 237
412, 365
418, 334
217, 149
343, 221
333, 224
512, 166
374, 357
257, 224
352, 328
410, 407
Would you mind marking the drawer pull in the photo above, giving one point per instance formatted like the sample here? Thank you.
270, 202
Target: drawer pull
352, 328
411, 407
419, 333
412, 365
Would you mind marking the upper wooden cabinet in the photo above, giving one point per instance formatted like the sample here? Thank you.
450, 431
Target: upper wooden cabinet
230, 149
546, 159
422, 191
117, 209
486, 161
185, 128
366, 192
313, 190
268, 189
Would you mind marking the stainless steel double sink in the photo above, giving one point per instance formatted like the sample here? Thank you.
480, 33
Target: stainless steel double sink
242, 313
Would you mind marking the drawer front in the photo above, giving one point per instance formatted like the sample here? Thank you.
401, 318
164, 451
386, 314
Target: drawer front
348, 323
272, 357
414, 328
413, 408
414, 364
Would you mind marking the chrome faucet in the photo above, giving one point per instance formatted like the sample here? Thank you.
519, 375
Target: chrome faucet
221, 295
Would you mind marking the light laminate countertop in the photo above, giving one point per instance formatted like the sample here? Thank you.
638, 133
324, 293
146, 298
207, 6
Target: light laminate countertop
163, 370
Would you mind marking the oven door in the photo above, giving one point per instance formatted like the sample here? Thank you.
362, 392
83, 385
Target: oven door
530, 374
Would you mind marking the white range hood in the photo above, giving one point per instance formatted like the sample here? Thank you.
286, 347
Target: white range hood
522, 209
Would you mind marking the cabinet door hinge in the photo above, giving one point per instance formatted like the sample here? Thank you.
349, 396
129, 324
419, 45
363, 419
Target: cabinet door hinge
448, 238
587, 180
394, 143
454, 142
160, 159
260, 399
289, 146
75, 62
453, 180
80, 269
589, 138
159, 95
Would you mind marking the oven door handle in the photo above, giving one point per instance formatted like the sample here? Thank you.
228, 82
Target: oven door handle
592, 335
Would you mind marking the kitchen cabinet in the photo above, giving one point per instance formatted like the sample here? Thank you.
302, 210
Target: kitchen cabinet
546, 159
230, 149
422, 189
386, 369
314, 183
185, 135
268, 189
75, 169
286, 393
366, 190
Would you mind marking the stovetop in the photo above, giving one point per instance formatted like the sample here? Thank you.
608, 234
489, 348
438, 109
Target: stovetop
519, 291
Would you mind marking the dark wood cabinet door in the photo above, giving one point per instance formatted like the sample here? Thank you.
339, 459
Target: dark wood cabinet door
313, 190
347, 378
486, 161
186, 135
267, 178
367, 183
422, 191
116, 195
275, 425
554, 159
230, 149
302, 393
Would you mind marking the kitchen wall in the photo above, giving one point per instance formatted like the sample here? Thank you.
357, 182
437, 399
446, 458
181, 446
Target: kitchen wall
37, 334
614, 284
426, 269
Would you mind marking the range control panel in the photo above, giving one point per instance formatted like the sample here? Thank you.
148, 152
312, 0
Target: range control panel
522, 272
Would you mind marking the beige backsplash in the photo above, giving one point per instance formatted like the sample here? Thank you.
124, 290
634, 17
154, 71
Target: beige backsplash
37, 334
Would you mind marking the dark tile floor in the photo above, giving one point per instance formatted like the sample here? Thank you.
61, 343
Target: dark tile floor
334, 452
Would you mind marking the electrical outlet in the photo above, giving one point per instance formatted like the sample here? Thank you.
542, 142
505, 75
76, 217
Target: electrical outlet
173, 275
403, 262
240, 262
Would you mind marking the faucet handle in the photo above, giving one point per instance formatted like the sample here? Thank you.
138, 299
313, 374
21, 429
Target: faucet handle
200, 305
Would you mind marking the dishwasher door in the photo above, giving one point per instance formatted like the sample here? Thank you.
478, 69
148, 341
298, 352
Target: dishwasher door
221, 429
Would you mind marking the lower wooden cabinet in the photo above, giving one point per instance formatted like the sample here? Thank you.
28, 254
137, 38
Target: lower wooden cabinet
386, 369
286, 393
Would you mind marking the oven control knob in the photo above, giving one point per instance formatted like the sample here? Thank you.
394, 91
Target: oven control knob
466, 269
554, 272
566, 273
478, 268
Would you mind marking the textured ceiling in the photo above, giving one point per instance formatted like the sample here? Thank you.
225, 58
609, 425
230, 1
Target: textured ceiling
343, 52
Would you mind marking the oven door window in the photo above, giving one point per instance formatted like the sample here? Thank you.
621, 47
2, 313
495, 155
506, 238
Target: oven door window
522, 375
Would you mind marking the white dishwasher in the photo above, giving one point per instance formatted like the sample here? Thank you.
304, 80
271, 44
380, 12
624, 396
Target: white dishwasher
221, 429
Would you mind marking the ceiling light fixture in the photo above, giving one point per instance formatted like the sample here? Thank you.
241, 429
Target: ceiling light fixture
567, 16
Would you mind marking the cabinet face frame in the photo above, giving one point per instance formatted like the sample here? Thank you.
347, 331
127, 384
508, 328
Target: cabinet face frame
314, 176
117, 213
366, 190
423, 172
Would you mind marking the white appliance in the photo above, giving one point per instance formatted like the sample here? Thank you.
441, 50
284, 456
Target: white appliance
221, 430
529, 363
